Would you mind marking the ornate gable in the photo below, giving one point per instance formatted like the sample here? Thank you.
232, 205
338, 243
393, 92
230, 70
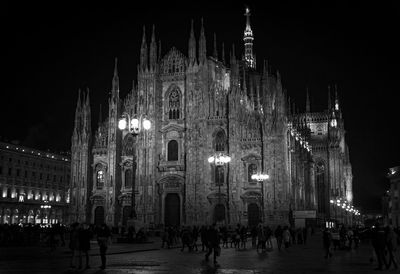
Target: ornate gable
173, 63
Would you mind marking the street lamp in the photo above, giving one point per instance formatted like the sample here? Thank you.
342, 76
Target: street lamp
220, 159
46, 208
133, 125
261, 177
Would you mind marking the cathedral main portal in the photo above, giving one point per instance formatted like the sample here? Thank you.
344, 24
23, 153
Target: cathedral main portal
172, 209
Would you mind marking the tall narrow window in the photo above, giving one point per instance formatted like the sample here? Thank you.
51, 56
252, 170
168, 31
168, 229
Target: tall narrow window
100, 179
320, 186
174, 105
219, 175
251, 170
172, 151
128, 178
220, 141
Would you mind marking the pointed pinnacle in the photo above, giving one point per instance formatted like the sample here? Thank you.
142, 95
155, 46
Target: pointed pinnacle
144, 35
307, 101
153, 35
116, 66
192, 29
215, 53
78, 105
87, 97
223, 53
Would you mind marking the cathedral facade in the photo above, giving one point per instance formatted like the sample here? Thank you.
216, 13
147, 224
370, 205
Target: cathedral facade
201, 105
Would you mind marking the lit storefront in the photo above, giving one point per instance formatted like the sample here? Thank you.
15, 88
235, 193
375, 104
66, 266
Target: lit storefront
33, 185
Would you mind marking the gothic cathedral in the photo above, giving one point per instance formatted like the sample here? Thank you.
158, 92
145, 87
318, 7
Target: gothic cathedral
201, 106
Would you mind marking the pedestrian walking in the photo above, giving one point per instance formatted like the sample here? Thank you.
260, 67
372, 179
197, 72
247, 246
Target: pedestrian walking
286, 235
213, 243
327, 241
84, 244
103, 239
305, 235
254, 237
391, 244
165, 238
261, 238
74, 244
186, 239
195, 236
268, 236
278, 236
203, 238
379, 244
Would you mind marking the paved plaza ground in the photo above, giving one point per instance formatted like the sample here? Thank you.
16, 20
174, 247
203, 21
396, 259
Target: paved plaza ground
150, 258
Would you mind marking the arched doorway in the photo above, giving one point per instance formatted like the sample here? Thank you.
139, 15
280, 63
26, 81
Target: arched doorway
219, 213
126, 213
253, 213
172, 209
99, 215
321, 187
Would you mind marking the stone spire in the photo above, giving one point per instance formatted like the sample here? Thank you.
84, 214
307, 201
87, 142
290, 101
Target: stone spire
192, 46
159, 50
248, 42
143, 51
78, 111
233, 56
329, 99
202, 44
215, 52
115, 80
100, 117
223, 53
153, 49
337, 106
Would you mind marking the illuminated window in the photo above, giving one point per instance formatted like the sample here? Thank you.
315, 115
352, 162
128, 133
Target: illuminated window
172, 151
220, 141
173, 105
128, 178
252, 169
219, 175
100, 179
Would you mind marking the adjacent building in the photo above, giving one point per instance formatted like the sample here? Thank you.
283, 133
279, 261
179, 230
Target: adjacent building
34, 185
393, 212
201, 105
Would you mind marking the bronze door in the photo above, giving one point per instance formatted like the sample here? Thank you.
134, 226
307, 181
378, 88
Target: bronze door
253, 213
99, 215
172, 209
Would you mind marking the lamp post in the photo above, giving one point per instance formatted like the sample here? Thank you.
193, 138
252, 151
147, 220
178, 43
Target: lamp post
46, 207
219, 160
133, 125
261, 177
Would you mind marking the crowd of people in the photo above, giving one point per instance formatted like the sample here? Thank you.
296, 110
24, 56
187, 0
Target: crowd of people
384, 242
209, 239
29, 234
213, 238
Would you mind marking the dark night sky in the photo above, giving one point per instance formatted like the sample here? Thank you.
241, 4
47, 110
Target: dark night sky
54, 49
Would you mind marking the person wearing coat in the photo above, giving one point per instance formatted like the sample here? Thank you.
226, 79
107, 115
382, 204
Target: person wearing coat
84, 235
213, 243
74, 243
391, 244
103, 238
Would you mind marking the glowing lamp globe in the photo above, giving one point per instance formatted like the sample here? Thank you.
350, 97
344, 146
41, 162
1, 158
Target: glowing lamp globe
122, 124
135, 123
146, 124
